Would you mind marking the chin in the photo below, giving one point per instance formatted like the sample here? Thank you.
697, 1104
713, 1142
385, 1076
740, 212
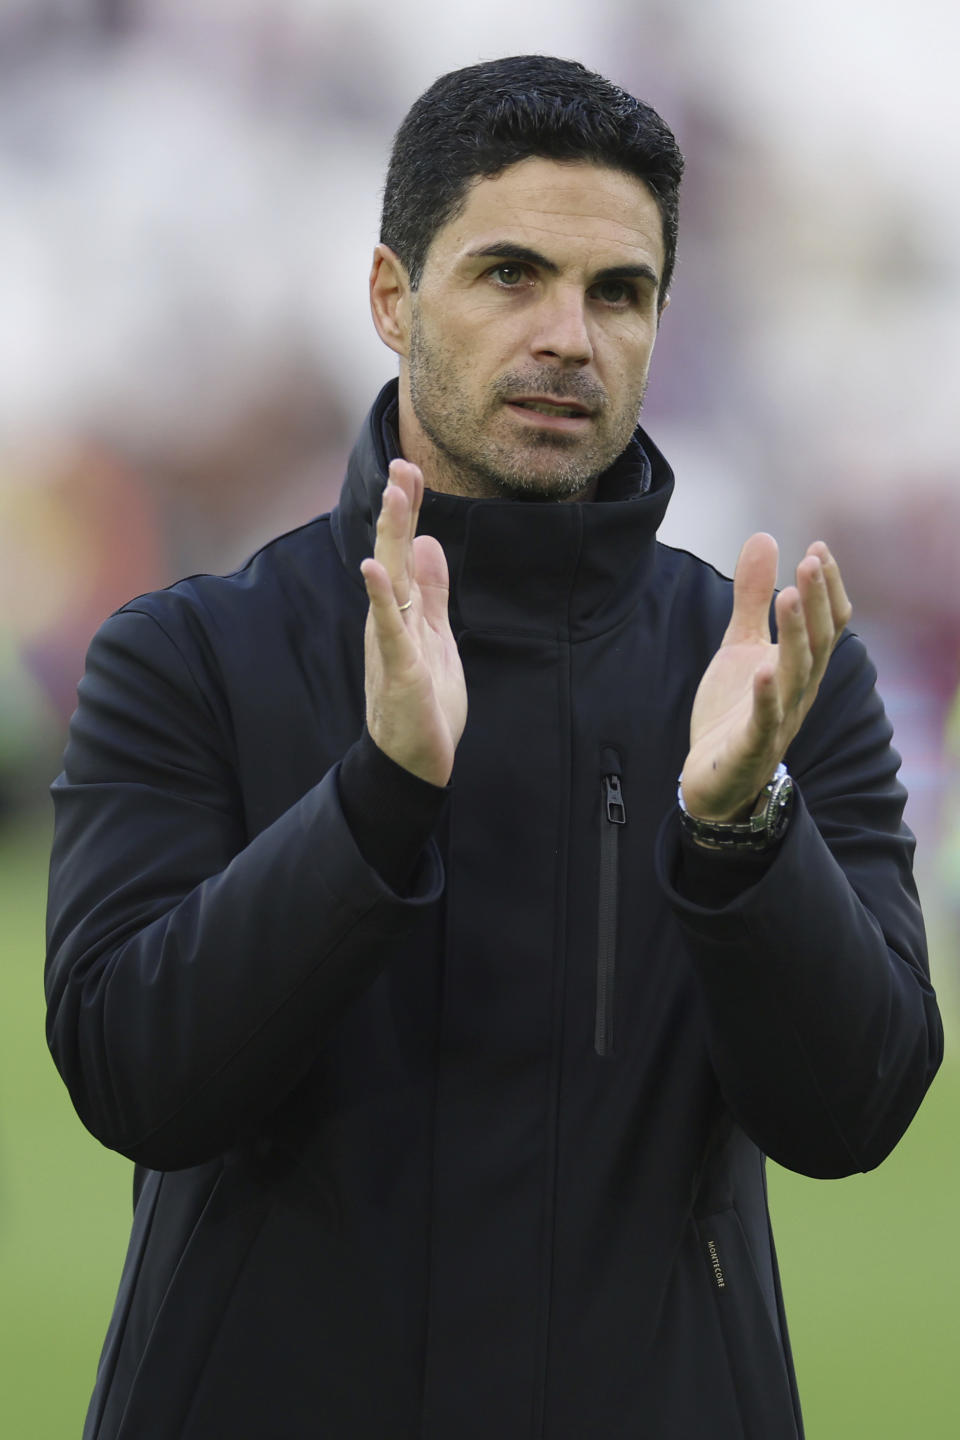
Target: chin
568, 475
545, 487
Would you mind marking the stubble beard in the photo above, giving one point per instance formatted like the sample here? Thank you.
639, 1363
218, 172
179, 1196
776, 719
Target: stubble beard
470, 463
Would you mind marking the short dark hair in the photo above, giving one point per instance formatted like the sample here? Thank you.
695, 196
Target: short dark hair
476, 122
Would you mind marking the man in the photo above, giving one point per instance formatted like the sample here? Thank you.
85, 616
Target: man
449, 1048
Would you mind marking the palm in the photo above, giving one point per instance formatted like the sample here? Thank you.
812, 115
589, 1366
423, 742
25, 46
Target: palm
416, 693
415, 690
722, 739
755, 694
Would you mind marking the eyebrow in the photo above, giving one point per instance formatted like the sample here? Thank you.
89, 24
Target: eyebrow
508, 250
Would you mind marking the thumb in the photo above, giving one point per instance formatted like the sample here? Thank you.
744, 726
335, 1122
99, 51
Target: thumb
753, 584
430, 573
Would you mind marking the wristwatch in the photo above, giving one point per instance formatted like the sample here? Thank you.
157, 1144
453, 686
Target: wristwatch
763, 829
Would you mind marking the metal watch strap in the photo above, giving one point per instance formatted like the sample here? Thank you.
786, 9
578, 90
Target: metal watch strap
762, 830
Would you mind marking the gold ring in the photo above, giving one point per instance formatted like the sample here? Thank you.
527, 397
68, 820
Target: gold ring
406, 605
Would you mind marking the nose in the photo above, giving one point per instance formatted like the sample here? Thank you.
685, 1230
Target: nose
562, 332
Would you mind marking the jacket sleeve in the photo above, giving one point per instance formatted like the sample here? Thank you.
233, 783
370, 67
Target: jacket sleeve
821, 1021
191, 972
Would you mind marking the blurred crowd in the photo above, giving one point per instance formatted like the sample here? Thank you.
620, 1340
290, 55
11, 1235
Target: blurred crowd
190, 195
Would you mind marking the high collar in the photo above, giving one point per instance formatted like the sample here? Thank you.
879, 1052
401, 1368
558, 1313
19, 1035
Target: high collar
563, 570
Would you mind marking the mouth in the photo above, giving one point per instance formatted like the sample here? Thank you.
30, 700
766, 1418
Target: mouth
567, 414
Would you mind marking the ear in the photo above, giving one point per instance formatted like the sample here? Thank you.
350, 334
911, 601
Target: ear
662, 306
390, 299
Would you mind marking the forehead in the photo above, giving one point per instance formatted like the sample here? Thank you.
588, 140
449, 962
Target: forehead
575, 209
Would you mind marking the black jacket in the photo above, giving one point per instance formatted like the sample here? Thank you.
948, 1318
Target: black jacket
478, 1155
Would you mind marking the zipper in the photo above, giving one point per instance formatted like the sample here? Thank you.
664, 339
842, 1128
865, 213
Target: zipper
613, 817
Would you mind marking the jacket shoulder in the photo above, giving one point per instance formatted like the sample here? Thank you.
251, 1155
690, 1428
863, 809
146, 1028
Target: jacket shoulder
695, 601
304, 558
689, 569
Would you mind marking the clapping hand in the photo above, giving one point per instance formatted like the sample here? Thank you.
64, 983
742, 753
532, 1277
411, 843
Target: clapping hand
415, 691
755, 694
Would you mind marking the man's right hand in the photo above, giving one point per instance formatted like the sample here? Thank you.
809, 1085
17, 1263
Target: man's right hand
416, 693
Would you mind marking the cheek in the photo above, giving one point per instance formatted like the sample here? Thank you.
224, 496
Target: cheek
637, 359
630, 345
469, 348
627, 366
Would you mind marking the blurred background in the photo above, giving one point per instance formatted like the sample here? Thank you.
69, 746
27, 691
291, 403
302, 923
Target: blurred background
189, 196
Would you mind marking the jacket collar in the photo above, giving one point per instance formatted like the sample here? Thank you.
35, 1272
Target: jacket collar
559, 570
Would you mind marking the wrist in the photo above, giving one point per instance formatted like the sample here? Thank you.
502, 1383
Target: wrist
763, 825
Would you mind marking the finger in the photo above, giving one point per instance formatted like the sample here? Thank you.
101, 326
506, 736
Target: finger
392, 546
840, 607
753, 582
817, 613
794, 655
389, 628
767, 707
409, 478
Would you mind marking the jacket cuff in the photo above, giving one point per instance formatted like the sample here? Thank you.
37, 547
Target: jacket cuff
700, 882
714, 878
391, 813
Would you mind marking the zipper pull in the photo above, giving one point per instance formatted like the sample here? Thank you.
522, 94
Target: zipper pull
616, 812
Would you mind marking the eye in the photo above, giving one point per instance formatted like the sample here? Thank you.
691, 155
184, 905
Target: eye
509, 274
614, 292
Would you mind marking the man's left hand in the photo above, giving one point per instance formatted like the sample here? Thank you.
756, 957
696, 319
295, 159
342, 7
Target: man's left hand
755, 695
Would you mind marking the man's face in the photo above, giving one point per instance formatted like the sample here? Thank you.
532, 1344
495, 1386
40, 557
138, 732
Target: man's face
528, 342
